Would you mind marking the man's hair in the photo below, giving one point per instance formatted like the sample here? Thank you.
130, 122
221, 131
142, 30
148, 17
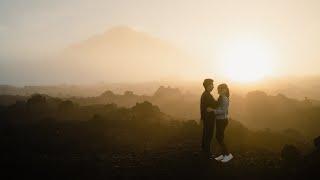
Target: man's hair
207, 82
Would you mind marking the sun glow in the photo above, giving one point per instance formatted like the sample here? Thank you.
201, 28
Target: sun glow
246, 60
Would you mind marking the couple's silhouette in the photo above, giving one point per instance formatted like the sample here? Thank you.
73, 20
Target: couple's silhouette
214, 113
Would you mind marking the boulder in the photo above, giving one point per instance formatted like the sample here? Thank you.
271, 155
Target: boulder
291, 155
316, 142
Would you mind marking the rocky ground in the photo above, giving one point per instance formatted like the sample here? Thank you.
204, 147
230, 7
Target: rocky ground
171, 162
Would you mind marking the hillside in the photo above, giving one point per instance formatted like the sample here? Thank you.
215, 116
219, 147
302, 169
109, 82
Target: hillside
49, 137
257, 109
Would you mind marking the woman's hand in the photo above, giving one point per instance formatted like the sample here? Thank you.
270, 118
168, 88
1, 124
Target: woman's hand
209, 109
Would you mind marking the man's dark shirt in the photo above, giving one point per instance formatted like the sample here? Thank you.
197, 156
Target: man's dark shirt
206, 101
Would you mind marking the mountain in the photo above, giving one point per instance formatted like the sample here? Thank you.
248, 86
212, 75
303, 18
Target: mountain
124, 54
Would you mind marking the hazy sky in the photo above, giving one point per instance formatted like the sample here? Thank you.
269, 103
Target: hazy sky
290, 28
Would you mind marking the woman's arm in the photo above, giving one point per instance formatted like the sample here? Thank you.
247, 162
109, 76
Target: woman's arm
210, 109
223, 107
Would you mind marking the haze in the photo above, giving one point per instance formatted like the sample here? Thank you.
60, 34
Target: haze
205, 38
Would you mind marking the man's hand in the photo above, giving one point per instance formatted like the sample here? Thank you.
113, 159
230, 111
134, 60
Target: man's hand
209, 109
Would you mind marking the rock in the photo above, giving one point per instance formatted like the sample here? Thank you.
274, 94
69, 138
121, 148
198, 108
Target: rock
291, 155
317, 142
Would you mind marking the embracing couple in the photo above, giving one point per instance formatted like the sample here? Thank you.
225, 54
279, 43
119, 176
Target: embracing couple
214, 114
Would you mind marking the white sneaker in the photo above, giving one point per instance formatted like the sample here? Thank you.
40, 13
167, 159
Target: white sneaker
227, 158
219, 158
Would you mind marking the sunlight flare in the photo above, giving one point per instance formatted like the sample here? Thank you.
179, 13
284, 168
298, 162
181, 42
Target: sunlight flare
246, 60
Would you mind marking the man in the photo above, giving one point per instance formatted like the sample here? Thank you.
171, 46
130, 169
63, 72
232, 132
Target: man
207, 118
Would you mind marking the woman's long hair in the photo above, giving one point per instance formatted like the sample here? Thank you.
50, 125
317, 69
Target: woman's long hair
224, 86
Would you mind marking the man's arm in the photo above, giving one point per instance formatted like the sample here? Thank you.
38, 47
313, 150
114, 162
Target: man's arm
207, 100
202, 108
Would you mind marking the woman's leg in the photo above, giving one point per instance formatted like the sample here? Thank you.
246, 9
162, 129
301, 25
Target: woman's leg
221, 126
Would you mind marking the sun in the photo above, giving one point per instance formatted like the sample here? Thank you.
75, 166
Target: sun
246, 60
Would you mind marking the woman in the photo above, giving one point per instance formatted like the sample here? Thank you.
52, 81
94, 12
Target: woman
221, 113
